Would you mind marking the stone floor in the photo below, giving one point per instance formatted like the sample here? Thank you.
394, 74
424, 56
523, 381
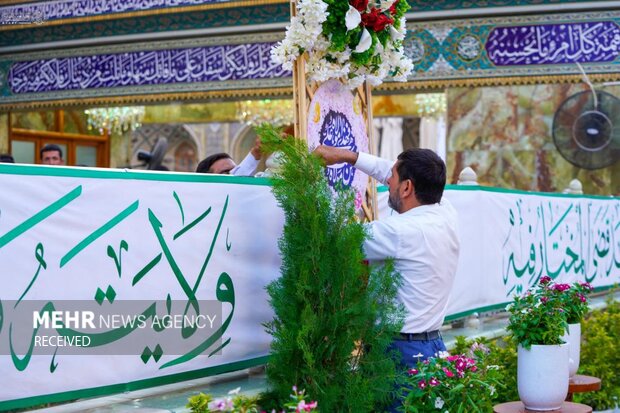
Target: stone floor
173, 397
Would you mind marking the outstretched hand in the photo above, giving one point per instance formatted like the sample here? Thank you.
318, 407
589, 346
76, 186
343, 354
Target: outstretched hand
256, 150
332, 155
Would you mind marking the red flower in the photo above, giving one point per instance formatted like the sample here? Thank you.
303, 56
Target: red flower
376, 20
360, 5
393, 8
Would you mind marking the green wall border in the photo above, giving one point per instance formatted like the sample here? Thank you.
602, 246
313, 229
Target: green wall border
383, 188
141, 175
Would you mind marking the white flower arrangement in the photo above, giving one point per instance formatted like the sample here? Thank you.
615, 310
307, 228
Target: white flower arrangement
355, 41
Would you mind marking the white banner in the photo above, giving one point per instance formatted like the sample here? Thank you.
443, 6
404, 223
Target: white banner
171, 241
108, 236
509, 239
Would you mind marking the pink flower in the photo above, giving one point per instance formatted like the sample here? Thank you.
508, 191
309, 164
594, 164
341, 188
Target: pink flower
582, 298
433, 382
544, 299
448, 372
422, 384
460, 364
306, 407
479, 346
413, 372
545, 280
561, 287
473, 369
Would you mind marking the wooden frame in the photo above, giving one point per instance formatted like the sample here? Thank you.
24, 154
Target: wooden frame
303, 92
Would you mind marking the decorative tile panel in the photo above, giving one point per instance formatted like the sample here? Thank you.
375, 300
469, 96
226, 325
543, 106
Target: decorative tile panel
233, 63
544, 45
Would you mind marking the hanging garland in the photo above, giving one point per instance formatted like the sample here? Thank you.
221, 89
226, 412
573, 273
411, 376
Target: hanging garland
355, 41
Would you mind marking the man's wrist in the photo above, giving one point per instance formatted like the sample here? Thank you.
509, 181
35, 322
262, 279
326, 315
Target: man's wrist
350, 157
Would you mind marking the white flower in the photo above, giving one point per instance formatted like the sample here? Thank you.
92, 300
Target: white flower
386, 4
365, 42
439, 403
396, 34
305, 35
492, 388
443, 354
356, 81
235, 391
352, 18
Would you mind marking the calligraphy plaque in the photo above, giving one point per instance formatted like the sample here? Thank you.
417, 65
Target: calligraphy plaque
554, 43
335, 119
145, 68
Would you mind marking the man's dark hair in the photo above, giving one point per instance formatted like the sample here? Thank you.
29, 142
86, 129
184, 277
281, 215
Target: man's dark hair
426, 170
48, 148
205, 164
6, 158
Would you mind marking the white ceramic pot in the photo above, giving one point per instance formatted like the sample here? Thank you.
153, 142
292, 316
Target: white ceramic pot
573, 338
542, 376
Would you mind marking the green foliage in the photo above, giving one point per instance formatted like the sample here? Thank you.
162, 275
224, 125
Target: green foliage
401, 8
239, 403
334, 317
365, 57
574, 300
245, 404
502, 353
334, 27
600, 356
542, 315
199, 403
537, 317
464, 382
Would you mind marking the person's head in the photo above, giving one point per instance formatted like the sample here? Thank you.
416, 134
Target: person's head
6, 158
219, 163
51, 154
418, 178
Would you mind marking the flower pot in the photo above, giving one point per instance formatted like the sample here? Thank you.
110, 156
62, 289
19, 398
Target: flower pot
573, 338
542, 376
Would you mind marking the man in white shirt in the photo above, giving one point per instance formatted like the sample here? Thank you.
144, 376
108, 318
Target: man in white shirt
422, 238
222, 163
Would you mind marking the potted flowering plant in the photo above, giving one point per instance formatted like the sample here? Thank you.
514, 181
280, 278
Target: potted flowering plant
574, 301
538, 322
355, 40
537, 317
458, 383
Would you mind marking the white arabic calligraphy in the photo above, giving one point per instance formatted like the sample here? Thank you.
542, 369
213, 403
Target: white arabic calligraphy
200, 64
558, 43
54, 10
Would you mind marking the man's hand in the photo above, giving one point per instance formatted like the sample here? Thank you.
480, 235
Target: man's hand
332, 155
256, 151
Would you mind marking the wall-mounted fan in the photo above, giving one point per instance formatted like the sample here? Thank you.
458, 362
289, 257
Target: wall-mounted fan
586, 129
153, 159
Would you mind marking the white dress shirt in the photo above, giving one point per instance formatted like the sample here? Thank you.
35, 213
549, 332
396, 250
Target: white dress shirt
425, 246
247, 167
